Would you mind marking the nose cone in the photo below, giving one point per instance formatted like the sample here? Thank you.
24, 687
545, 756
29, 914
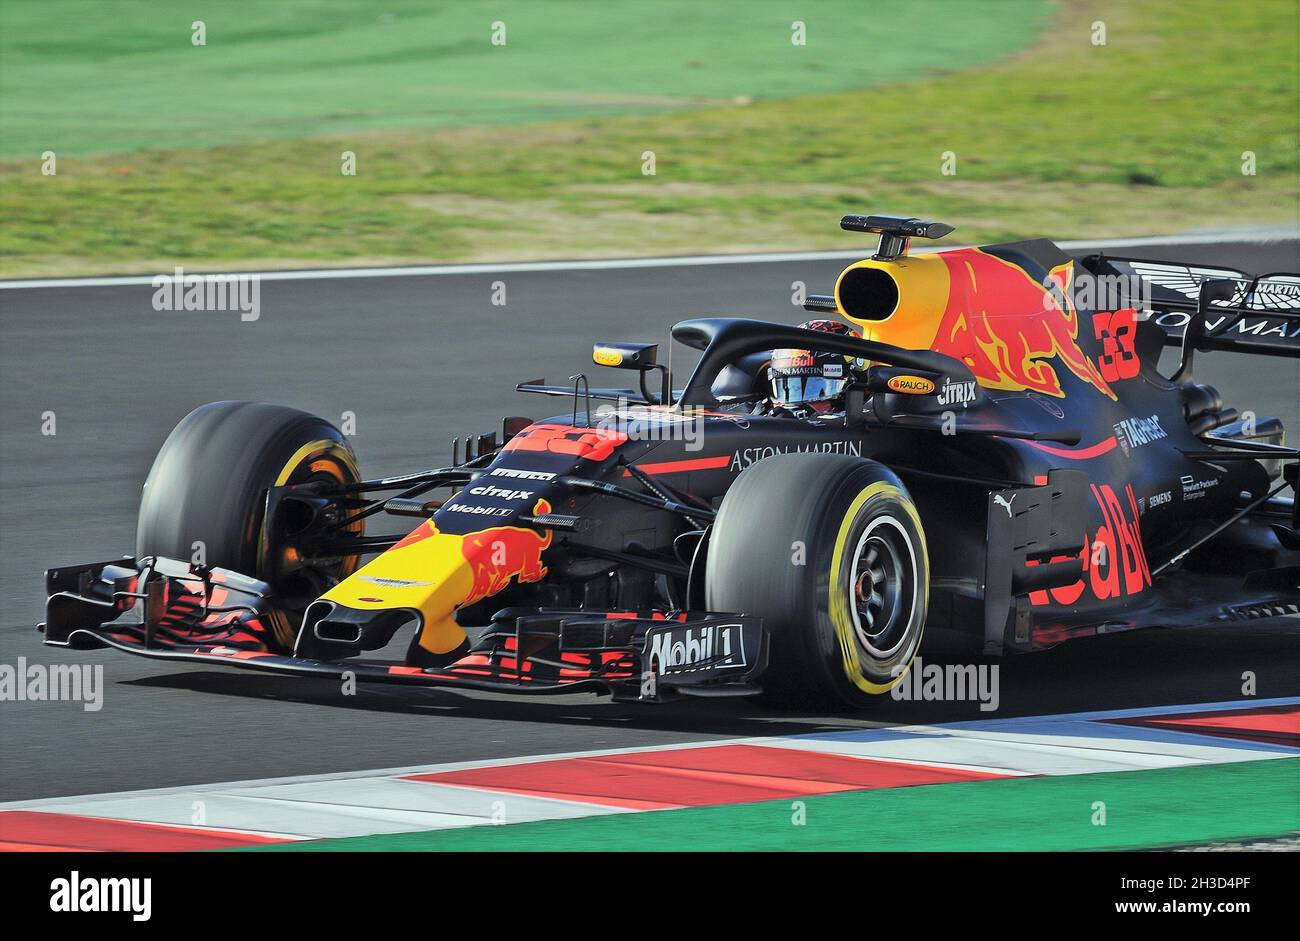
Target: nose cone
436, 573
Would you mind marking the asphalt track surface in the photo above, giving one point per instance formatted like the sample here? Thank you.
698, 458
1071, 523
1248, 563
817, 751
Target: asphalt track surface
418, 360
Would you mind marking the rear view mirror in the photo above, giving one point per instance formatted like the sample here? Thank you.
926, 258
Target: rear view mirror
643, 357
640, 356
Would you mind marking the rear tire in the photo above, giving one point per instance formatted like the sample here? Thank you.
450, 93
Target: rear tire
829, 551
205, 497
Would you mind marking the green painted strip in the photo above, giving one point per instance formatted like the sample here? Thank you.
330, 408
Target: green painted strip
1165, 807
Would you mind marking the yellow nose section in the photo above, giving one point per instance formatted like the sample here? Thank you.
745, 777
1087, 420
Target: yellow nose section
426, 571
435, 573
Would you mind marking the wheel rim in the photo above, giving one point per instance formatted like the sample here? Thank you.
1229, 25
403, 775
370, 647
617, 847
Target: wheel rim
326, 461
882, 588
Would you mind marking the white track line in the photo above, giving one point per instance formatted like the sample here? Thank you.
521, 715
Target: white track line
781, 740
1253, 236
387, 802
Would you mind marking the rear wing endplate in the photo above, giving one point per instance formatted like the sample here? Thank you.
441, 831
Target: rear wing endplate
1261, 316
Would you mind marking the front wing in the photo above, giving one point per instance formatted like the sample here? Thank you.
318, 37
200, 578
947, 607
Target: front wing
211, 615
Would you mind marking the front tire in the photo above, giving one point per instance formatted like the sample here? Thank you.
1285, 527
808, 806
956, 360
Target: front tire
205, 497
829, 550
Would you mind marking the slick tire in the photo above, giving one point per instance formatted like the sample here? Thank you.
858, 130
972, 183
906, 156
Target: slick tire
829, 551
205, 496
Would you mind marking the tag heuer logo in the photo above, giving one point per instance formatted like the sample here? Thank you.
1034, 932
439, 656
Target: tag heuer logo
1134, 432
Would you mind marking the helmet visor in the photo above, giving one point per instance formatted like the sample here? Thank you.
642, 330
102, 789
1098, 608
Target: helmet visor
800, 390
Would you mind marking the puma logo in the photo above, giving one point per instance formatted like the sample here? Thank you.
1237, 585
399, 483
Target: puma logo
1000, 500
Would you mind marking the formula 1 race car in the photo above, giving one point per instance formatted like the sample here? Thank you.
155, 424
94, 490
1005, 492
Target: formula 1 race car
989, 451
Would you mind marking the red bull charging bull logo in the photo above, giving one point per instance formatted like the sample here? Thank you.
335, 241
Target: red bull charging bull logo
501, 553
1114, 559
1010, 329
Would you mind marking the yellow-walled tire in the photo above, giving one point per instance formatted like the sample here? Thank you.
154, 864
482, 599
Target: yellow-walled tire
829, 551
205, 496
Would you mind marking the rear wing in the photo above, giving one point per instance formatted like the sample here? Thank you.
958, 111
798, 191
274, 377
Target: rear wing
1262, 315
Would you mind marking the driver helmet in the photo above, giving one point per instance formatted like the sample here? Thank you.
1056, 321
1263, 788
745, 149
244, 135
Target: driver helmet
803, 379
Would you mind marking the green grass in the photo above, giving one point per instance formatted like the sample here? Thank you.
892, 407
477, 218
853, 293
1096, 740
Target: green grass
85, 77
1143, 135
1164, 807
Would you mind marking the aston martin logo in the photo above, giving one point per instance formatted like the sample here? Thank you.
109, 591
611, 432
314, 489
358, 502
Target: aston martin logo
394, 582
